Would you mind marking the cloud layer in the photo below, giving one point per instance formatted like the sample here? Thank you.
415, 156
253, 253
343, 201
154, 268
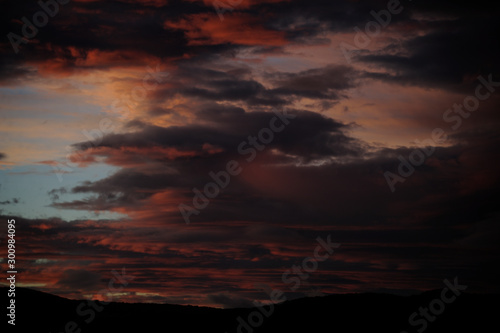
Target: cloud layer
86, 92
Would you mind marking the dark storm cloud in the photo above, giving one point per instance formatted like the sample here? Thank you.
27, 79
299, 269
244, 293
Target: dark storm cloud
79, 28
131, 180
306, 19
102, 202
174, 136
326, 83
459, 174
453, 8
95, 25
446, 57
457, 41
449, 49
79, 279
231, 90
125, 188
320, 83
309, 135
289, 195
357, 177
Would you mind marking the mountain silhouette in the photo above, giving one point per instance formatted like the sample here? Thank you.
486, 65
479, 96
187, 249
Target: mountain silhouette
369, 312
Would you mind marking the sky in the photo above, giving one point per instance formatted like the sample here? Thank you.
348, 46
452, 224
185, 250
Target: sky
205, 147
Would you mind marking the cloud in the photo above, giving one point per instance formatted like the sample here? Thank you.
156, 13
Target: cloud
239, 84
227, 127
443, 59
194, 150
238, 28
55, 193
321, 83
323, 174
79, 279
13, 201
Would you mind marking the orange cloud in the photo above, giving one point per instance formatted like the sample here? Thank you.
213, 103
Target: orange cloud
242, 29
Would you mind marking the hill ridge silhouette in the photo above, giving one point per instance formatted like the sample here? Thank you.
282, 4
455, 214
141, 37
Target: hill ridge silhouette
356, 312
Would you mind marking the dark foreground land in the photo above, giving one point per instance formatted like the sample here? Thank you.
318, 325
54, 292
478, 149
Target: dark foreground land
40, 312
